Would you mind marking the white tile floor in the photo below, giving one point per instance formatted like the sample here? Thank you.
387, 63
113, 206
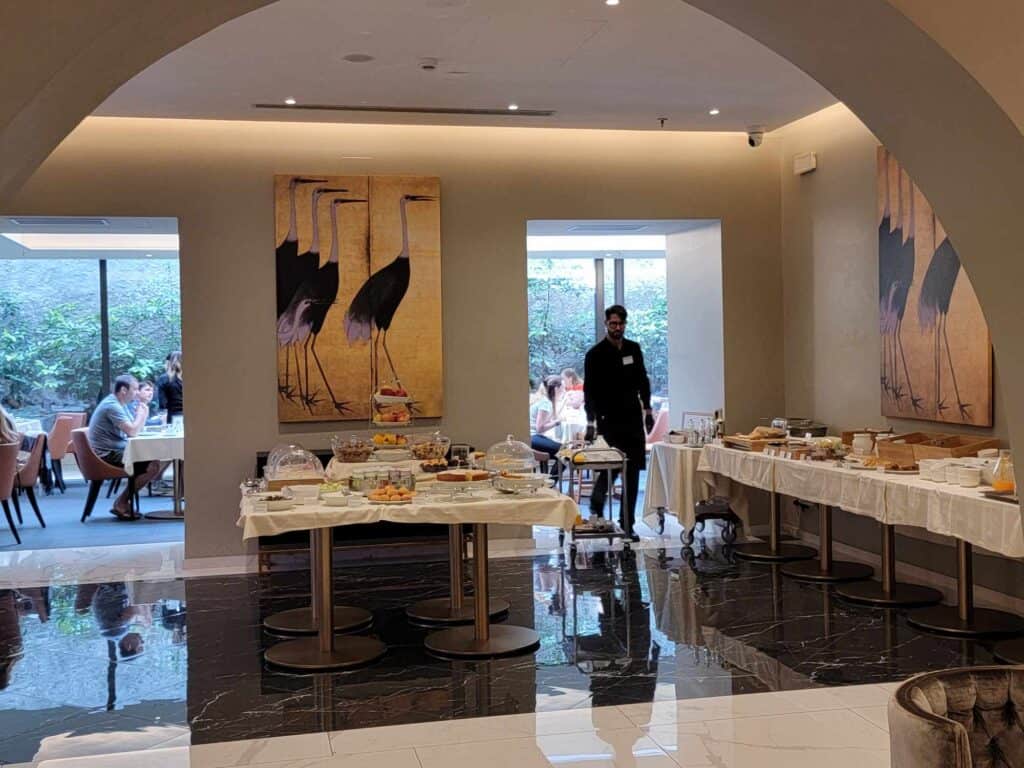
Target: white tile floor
837, 728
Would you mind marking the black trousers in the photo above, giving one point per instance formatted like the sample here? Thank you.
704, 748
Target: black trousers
630, 440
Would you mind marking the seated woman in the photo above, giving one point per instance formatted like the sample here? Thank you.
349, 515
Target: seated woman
545, 423
171, 389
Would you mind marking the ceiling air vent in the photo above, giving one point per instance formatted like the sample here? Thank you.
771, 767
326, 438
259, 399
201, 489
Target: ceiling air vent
505, 112
58, 222
607, 229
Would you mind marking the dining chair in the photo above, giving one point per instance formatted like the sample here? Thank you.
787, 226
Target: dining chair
8, 469
25, 479
59, 441
95, 470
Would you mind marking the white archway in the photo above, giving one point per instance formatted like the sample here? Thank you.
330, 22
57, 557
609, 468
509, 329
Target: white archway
962, 149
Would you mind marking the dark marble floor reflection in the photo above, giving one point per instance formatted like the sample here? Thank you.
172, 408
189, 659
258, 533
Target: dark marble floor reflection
79, 662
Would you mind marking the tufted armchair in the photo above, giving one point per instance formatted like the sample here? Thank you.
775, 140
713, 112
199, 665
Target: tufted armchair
959, 718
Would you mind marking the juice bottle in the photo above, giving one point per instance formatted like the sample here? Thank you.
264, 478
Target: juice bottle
1003, 478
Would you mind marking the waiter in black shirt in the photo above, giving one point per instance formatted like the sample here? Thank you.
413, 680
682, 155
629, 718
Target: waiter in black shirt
617, 398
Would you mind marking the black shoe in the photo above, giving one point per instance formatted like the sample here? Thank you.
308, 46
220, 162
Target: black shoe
634, 537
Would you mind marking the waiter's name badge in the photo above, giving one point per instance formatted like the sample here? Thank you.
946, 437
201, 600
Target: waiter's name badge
627, 360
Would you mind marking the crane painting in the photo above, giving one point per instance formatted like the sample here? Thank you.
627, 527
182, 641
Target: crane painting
936, 353
359, 258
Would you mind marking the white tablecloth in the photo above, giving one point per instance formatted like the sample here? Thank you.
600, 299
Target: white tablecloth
673, 483
28, 426
747, 467
159, 447
546, 507
949, 510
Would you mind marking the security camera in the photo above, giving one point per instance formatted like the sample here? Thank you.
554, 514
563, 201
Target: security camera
755, 135
428, 64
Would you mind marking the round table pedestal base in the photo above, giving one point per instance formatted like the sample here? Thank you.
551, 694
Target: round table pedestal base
1010, 651
900, 596
838, 571
165, 514
985, 622
461, 642
761, 551
299, 621
305, 655
439, 611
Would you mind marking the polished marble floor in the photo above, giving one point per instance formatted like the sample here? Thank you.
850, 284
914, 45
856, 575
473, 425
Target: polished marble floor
163, 663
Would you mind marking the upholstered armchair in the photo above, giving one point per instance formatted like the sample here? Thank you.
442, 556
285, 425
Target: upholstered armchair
959, 718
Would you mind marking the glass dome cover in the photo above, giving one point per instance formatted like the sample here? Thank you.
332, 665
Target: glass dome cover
293, 462
510, 455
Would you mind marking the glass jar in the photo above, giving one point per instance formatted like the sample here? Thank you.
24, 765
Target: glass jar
1002, 476
293, 463
510, 455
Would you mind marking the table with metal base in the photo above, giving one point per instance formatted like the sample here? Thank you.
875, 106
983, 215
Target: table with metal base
963, 619
773, 550
176, 513
824, 569
1010, 651
457, 608
324, 651
482, 640
306, 620
889, 593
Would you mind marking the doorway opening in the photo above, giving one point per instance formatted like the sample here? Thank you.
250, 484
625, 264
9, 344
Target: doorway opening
667, 273
84, 301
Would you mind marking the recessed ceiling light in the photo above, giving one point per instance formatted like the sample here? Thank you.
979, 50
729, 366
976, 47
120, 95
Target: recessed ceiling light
513, 107
358, 58
290, 101
714, 111
611, 2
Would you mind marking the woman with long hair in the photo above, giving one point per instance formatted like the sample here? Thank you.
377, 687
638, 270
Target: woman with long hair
543, 429
170, 388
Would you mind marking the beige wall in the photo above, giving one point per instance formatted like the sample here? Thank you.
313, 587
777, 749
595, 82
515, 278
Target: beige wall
217, 178
830, 274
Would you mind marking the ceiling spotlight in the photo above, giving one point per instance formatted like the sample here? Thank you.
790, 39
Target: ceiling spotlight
513, 107
611, 2
714, 111
290, 101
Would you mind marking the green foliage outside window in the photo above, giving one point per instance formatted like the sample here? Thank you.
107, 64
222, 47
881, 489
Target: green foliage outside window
52, 359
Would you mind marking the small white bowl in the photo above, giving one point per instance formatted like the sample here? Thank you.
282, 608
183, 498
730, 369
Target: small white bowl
969, 477
336, 499
280, 506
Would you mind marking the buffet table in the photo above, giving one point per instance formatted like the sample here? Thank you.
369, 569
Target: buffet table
895, 499
673, 484
481, 640
166, 445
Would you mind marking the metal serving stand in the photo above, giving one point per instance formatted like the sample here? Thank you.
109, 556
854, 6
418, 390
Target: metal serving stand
603, 462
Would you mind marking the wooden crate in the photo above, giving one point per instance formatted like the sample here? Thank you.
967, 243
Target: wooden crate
749, 444
847, 436
277, 485
899, 449
953, 447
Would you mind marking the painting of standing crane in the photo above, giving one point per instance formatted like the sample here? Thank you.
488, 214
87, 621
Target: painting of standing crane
358, 299
936, 351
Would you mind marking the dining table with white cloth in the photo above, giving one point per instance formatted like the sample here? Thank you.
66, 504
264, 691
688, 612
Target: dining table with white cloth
479, 508
160, 444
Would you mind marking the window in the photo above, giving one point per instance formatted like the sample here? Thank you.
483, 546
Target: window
83, 300
645, 298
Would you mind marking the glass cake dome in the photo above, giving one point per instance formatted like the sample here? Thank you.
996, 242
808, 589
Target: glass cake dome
510, 455
289, 462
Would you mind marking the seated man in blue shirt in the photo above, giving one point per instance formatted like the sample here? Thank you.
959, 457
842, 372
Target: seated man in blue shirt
109, 429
